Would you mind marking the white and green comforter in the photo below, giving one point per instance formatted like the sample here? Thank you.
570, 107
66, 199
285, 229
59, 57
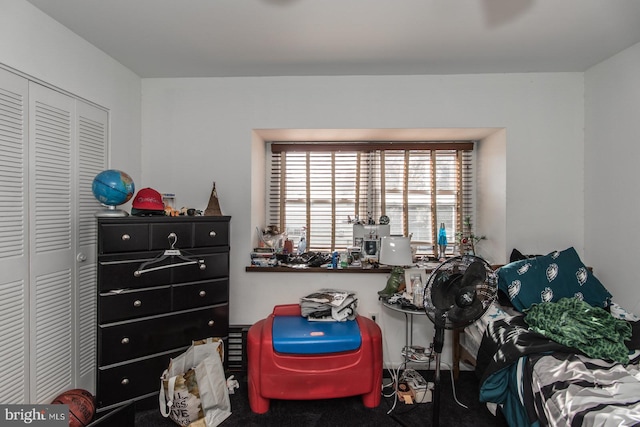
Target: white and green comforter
539, 382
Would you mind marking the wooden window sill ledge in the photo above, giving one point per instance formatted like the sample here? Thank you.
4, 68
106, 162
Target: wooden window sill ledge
283, 269
256, 269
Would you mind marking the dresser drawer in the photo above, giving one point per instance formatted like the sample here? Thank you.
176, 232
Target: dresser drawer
211, 234
133, 304
123, 238
162, 235
123, 382
131, 339
194, 295
217, 266
119, 274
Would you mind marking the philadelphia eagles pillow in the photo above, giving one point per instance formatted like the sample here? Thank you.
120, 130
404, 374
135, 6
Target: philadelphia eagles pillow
561, 274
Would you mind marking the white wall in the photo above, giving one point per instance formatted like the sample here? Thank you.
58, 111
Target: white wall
196, 131
612, 153
491, 181
38, 46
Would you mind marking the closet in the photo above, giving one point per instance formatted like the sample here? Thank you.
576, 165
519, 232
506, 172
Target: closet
51, 146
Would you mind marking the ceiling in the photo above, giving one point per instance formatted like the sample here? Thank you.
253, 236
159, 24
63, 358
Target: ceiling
222, 38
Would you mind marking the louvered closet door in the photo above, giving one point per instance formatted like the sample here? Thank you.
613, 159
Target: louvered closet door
52, 236
51, 147
92, 155
14, 231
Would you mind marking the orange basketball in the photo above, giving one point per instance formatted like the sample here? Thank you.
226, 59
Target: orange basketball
82, 406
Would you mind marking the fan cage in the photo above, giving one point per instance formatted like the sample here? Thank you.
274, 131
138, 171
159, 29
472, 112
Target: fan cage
485, 292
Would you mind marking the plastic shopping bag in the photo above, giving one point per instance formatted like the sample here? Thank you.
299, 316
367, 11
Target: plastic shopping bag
193, 389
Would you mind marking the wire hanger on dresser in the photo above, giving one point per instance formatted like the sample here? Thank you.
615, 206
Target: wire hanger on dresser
169, 253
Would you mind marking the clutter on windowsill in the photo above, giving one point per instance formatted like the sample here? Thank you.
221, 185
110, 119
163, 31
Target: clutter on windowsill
263, 257
269, 257
467, 239
276, 252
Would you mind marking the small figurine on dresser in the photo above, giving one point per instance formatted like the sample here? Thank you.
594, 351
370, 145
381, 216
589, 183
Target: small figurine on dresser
213, 208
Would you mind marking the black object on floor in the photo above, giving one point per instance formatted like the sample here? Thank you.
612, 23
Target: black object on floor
349, 412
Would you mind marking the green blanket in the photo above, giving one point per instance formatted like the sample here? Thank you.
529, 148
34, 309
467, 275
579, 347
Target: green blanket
574, 323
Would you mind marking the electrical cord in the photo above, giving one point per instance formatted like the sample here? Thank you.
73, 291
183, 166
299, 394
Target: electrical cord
396, 379
395, 376
453, 386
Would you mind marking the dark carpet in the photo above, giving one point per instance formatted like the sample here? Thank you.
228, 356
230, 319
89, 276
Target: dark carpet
350, 411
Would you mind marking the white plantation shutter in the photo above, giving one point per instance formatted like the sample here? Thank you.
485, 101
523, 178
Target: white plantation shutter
466, 181
419, 197
319, 188
417, 185
392, 189
446, 194
14, 261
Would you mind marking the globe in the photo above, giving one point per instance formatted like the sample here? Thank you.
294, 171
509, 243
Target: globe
112, 188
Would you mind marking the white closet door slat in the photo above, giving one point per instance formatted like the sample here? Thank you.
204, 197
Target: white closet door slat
14, 231
92, 159
52, 266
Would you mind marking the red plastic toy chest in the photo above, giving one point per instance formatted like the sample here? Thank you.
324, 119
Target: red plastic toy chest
308, 376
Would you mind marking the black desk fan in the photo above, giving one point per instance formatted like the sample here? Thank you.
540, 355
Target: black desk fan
457, 293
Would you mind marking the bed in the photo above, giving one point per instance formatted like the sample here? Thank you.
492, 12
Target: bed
555, 350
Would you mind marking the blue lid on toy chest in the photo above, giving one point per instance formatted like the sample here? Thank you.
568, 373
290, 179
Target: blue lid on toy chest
297, 335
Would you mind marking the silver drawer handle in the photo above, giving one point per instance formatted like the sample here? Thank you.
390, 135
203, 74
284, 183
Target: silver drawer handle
203, 293
125, 237
137, 303
211, 323
125, 340
124, 381
212, 234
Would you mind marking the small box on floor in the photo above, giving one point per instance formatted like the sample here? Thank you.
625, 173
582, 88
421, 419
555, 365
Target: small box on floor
421, 390
424, 395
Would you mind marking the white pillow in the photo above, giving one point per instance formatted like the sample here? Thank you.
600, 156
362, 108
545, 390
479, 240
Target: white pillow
476, 330
620, 313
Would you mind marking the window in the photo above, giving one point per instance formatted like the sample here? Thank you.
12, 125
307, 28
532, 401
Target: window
319, 189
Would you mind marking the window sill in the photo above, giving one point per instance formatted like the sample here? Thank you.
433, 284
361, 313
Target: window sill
254, 269
385, 270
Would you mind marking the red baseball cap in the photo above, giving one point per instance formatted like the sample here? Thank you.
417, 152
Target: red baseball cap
148, 199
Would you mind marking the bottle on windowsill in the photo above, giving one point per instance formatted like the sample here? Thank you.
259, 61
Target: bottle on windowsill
302, 243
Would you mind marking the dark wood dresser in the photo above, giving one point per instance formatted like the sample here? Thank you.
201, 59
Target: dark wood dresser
162, 283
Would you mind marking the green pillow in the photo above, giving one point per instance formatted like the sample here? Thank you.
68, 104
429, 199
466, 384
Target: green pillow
549, 278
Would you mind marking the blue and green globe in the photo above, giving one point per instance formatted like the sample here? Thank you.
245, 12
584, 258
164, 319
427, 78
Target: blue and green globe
113, 187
